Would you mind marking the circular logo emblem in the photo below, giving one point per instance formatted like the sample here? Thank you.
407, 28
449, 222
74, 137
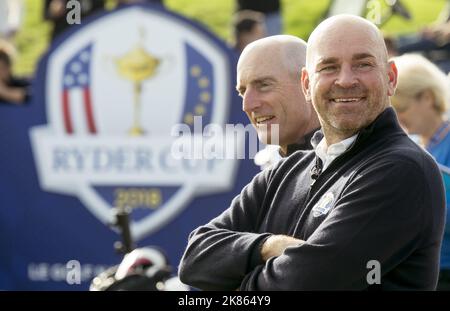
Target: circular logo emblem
324, 205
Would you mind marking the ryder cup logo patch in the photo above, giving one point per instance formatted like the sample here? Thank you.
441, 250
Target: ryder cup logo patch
113, 90
324, 205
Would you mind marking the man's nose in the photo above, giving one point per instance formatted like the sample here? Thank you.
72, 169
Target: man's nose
250, 101
346, 78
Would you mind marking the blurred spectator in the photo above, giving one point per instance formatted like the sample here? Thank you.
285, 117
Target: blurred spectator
421, 102
11, 12
56, 11
12, 89
440, 31
271, 10
433, 41
248, 26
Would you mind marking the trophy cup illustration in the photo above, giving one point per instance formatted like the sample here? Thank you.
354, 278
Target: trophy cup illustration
137, 66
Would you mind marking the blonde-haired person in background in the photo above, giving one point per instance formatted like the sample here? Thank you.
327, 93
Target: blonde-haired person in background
421, 103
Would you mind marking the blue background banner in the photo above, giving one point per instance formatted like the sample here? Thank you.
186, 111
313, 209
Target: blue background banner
41, 231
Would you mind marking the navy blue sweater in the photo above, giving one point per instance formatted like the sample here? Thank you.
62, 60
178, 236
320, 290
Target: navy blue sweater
383, 199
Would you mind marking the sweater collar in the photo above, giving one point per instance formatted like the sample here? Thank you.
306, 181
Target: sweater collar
385, 122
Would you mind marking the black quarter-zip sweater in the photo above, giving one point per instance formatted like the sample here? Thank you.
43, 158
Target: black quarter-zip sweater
383, 199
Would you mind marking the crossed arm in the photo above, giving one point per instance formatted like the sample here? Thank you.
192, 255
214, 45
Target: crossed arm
221, 253
229, 253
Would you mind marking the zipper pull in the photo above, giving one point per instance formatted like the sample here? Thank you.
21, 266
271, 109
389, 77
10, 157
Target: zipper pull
315, 172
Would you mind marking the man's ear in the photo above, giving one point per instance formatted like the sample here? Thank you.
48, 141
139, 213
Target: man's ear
305, 84
392, 75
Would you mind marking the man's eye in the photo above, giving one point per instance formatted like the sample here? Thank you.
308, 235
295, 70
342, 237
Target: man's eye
364, 65
264, 86
328, 69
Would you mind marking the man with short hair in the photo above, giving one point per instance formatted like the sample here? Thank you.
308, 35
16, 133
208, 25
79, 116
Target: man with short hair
365, 209
248, 26
271, 10
268, 80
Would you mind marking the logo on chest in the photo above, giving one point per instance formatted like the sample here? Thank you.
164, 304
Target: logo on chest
324, 205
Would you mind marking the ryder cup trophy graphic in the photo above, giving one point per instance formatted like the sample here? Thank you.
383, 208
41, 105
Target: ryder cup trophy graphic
137, 66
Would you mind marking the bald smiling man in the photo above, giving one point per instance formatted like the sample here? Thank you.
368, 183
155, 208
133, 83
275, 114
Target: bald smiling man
268, 80
363, 210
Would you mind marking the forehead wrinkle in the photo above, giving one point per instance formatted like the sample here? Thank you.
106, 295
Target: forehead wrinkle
340, 26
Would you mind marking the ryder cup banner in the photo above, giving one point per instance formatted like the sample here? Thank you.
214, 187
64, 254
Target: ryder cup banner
99, 135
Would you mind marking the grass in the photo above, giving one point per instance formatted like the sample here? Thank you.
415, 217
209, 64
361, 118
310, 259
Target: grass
300, 18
